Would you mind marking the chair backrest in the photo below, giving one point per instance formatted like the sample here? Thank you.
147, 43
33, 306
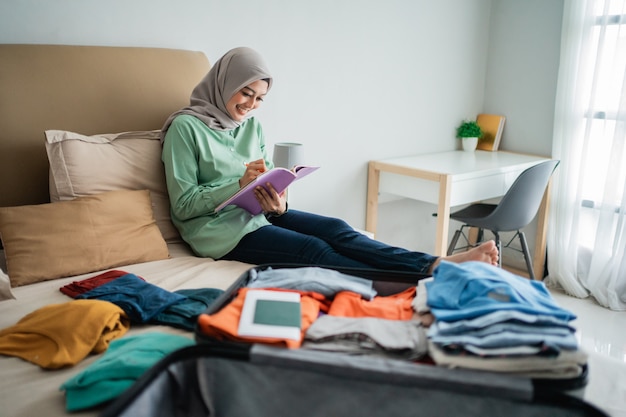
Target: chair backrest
520, 204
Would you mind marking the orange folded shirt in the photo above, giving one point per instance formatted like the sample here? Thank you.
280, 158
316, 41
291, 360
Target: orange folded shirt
392, 307
223, 325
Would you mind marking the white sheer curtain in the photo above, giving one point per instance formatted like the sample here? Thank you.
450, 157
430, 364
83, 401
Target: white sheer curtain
587, 234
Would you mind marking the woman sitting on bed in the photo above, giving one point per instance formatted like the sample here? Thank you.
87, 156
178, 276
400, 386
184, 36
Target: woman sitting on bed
213, 147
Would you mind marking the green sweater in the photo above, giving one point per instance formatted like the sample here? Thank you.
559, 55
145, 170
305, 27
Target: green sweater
202, 168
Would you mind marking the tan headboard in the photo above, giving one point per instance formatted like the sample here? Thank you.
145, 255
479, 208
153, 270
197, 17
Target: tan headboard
86, 89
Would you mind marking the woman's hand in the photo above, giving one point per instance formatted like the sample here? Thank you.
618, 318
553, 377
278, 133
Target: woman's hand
271, 202
253, 170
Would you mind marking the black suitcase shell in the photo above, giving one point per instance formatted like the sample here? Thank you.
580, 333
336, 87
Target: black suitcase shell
260, 381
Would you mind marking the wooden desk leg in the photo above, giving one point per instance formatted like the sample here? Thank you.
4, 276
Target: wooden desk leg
443, 215
371, 210
539, 257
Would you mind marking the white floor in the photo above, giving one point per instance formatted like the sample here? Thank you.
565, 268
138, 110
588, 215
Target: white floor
602, 334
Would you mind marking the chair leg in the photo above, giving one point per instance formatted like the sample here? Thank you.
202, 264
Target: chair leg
480, 235
529, 264
455, 239
499, 246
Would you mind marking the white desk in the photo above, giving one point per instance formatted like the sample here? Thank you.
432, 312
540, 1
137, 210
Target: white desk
449, 179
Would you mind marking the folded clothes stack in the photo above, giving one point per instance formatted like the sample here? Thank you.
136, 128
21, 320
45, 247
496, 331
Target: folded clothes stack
489, 319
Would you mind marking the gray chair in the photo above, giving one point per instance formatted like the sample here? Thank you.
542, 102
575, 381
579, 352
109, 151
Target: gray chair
517, 208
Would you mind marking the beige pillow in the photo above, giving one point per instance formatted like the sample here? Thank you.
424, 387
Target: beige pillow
85, 165
67, 238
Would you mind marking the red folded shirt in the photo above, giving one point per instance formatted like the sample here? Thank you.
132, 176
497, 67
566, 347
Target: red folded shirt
80, 287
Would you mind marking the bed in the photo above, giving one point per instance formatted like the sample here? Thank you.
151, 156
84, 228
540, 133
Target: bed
71, 198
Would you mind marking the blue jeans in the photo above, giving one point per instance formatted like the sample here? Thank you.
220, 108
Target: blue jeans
311, 239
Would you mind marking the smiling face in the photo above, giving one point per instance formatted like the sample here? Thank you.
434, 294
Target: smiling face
246, 100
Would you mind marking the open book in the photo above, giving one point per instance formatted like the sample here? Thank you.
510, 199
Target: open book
280, 178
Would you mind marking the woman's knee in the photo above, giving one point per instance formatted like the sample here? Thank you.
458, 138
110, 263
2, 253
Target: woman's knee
334, 223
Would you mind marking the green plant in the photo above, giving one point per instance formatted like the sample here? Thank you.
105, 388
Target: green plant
469, 129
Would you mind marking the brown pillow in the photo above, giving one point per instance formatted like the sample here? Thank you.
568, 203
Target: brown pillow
87, 234
84, 165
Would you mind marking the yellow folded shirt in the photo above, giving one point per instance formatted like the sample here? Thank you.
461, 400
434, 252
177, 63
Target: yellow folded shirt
64, 334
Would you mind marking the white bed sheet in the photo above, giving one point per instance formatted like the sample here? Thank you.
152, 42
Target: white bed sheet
27, 390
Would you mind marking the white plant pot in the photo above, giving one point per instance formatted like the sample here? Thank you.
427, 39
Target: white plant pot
469, 144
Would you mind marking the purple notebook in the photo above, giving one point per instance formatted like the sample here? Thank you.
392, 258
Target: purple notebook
280, 178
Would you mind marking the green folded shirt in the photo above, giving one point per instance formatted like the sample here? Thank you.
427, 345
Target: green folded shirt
120, 366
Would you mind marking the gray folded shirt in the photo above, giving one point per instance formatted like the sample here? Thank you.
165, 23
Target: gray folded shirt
368, 336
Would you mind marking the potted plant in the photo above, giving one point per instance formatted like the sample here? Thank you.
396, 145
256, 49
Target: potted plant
469, 132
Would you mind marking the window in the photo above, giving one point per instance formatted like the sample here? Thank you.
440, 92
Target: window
604, 124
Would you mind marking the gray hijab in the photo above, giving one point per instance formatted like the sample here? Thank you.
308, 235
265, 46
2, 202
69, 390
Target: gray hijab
233, 71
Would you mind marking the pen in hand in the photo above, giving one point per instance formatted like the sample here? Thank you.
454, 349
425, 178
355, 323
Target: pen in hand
253, 170
246, 164
258, 165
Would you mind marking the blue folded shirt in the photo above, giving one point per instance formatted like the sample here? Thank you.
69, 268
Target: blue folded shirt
471, 289
138, 298
184, 314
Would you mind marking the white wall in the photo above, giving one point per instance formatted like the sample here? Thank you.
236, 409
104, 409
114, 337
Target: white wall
523, 63
354, 81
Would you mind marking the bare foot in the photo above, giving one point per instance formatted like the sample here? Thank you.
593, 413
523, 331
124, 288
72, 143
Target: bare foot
485, 252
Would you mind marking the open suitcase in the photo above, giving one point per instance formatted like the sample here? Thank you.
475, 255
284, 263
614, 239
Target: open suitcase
227, 378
